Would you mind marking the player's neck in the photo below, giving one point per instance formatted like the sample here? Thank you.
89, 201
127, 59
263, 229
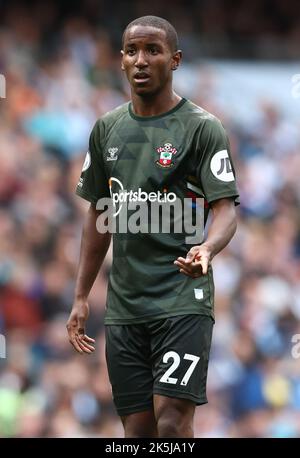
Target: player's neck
154, 105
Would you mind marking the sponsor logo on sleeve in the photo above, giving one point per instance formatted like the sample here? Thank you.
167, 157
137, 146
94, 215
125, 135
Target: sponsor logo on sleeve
80, 183
221, 167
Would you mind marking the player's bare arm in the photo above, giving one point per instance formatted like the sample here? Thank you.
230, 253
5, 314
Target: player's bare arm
94, 246
220, 233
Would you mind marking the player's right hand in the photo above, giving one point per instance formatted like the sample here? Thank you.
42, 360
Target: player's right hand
75, 326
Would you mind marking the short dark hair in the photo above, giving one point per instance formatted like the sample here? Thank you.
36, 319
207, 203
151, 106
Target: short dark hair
158, 23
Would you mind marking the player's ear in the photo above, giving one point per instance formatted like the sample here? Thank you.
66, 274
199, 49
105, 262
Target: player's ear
122, 65
176, 59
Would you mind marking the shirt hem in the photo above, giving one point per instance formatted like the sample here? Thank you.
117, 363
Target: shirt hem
148, 318
199, 400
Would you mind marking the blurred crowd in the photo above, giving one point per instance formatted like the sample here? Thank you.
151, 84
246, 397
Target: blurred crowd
59, 81
261, 29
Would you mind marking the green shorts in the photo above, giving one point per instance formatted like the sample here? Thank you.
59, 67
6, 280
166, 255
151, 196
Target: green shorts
168, 357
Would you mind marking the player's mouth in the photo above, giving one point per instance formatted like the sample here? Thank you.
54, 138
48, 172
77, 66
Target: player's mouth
141, 77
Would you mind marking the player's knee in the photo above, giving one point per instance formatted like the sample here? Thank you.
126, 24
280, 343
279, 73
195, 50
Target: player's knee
175, 419
139, 431
140, 425
173, 423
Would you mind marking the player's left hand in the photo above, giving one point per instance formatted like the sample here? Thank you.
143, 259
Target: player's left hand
75, 327
196, 262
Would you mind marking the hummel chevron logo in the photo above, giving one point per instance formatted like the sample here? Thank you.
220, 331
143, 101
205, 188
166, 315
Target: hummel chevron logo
112, 154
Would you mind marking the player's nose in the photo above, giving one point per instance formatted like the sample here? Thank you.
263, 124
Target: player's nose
141, 60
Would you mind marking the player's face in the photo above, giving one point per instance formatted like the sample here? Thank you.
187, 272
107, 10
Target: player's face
148, 60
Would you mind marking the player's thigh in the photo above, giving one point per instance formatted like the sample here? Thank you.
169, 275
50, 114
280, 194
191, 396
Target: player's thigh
129, 367
180, 351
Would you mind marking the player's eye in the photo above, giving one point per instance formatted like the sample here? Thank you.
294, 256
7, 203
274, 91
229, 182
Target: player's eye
130, 51
153, 50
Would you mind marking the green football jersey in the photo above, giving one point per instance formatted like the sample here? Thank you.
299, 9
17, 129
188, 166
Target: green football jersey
178, 155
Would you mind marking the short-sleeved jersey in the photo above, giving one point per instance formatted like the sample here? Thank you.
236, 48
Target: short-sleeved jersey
183, 153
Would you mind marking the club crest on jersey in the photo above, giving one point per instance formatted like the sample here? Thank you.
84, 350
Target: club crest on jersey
166, 153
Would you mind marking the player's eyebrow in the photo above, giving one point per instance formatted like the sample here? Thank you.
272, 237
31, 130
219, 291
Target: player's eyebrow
148, 45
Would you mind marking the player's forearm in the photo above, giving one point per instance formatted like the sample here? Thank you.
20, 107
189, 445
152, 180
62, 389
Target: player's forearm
223, 226
93, 249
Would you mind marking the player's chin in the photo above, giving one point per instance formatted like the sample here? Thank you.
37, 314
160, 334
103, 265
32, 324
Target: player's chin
143, 90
